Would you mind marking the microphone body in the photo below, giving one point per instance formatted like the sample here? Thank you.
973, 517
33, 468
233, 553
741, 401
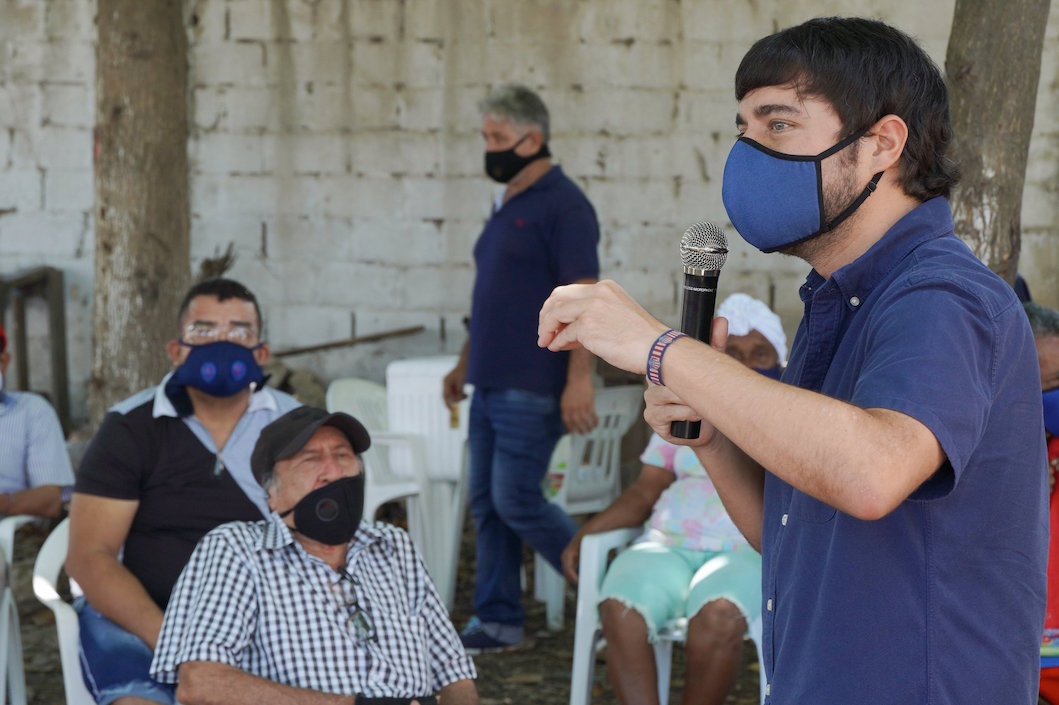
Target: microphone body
696, 321
703, 250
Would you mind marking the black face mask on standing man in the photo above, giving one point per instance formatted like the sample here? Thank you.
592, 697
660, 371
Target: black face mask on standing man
502, 165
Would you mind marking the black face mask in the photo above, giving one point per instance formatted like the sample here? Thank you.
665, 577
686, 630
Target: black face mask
503, 165
332, 513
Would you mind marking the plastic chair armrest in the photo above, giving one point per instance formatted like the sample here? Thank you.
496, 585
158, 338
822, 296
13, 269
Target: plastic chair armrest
8, 527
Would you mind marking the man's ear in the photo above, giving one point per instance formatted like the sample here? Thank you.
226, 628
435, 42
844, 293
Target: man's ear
890, 133
531, 144
172, 349
262, 353
5, 360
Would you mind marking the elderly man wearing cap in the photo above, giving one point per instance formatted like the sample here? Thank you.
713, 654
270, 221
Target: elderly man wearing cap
35, 472
700, 565
312, 605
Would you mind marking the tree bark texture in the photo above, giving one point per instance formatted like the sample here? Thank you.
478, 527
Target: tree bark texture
993, 65
141, 194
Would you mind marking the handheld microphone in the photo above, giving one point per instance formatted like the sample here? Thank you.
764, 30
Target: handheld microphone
703, 250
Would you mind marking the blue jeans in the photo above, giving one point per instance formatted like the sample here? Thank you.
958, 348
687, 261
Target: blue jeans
114, 662
511, 436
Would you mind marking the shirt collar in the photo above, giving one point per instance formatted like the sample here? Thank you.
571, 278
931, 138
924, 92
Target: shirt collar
548, 178
927, 221
259, 400
545, 181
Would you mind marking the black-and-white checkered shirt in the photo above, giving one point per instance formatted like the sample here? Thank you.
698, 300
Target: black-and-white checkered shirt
252, 597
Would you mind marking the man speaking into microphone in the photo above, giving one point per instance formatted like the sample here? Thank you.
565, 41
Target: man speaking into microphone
894, 481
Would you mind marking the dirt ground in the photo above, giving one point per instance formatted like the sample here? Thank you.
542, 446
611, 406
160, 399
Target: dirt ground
539, 673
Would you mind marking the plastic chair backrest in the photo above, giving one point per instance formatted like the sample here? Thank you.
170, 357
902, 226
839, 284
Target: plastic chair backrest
394, 465
46, 570
585, 470
361, 398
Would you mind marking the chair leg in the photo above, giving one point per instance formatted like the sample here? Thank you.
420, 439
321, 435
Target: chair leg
584, 666
549, 587
664, 665
12, 673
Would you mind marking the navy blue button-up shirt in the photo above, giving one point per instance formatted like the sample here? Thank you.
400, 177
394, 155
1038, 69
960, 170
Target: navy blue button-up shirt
941, 601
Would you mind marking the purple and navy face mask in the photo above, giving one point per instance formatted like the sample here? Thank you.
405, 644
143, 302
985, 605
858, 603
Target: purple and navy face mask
770, 372
220, 369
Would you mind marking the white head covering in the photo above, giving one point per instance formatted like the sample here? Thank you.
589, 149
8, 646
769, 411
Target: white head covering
745, 313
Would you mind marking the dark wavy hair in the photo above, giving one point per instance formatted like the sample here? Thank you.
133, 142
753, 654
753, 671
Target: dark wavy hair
865, 69
222, 289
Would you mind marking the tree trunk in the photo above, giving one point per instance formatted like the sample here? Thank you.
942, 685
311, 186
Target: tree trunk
141, 189
993, 65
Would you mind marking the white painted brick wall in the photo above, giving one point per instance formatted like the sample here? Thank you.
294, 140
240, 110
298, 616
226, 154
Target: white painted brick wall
335, 145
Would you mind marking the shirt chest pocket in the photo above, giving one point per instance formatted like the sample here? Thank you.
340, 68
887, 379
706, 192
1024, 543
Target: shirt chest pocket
401, 633
809, 510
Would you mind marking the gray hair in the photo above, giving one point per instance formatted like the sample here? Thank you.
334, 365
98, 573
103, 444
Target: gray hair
518, 104
1043, 321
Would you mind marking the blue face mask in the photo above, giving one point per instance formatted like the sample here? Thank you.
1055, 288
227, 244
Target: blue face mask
1051, 411
776, 200
220, 369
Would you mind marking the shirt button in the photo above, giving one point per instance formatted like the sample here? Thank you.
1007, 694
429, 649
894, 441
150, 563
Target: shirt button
768, 689
783, 520
854, 301
768, 605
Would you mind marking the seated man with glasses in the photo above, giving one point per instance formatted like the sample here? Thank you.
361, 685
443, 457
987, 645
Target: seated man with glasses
312, 605
166, 466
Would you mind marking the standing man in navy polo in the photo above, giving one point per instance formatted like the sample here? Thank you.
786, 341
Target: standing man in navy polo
543, 233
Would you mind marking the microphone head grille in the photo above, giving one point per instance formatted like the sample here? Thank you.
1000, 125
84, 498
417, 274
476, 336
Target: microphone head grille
704, 246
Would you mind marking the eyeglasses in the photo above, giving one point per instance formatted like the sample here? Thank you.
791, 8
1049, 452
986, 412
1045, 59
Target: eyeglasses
204, 333
358, 618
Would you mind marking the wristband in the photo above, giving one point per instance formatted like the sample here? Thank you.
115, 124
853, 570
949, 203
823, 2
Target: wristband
658, 350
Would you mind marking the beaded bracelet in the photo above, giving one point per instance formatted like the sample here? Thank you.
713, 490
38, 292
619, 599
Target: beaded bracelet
654, 358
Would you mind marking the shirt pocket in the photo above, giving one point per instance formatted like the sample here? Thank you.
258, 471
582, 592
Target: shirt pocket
402, 634
809, 510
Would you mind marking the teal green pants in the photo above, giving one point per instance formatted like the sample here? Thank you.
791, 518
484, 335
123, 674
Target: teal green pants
663, 583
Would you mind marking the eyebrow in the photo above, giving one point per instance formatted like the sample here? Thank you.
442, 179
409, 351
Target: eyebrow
204, 322
766, 110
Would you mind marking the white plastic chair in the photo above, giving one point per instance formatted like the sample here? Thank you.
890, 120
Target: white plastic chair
595, 548
12, 671
361, 398
414, 404
395, 465
584, 476
46, 570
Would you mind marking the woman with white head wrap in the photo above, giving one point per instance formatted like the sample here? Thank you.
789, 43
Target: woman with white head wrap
700, 565
746, 314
